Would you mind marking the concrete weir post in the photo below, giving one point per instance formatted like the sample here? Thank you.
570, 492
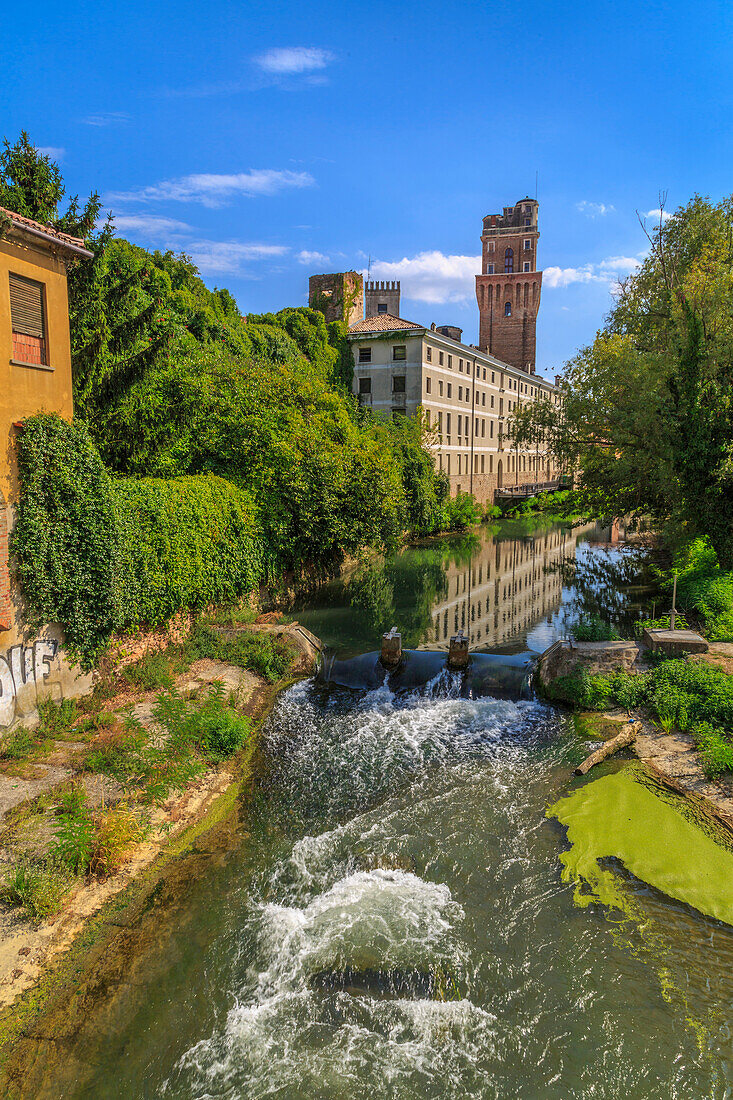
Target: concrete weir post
391, 653
458, 652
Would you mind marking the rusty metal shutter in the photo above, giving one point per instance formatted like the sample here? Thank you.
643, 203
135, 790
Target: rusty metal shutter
26, 307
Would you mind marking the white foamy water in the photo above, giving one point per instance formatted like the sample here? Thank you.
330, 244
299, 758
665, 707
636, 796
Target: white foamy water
412, 939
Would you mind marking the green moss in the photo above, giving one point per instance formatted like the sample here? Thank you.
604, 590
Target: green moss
654, 834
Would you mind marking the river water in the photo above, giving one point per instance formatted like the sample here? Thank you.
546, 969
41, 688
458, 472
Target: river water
396, 920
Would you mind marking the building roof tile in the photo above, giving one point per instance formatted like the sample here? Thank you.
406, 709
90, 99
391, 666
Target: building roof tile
21, 222
384, 322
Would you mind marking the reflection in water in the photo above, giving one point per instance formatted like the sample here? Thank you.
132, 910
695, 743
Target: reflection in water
514, 585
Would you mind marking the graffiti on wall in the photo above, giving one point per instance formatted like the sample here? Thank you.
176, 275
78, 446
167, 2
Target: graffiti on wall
27, 674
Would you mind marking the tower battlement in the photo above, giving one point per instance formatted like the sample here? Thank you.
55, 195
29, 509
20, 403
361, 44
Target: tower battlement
382, 297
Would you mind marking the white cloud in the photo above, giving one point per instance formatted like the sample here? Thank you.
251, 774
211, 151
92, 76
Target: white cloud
306, 257
228, 257
621, 264
595, 209
212, 189
609, 270
293, 60
55, 152
658, 215
554, 277
432, 276
106, 118
149, 225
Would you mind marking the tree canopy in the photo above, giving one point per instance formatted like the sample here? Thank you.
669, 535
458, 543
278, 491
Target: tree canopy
647, 420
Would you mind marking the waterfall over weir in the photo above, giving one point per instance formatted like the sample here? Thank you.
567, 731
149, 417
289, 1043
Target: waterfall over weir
500, 675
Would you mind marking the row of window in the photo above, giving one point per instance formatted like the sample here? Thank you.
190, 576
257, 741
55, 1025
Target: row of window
527, 244
526, 266
399, 355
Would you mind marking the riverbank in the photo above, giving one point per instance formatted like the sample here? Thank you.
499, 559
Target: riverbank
681, 707
39, 957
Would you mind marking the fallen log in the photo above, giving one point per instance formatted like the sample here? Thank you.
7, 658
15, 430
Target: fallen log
620, 741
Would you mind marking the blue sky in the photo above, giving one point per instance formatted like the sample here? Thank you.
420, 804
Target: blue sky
275, 141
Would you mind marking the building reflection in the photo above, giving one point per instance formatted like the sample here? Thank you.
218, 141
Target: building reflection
508, 586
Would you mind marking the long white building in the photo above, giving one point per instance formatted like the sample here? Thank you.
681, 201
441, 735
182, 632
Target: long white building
467, 394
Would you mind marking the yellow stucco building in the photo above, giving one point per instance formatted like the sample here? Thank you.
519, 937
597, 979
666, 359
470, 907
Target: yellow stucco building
35, 376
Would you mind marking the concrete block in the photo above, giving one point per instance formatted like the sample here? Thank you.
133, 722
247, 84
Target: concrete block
674, 643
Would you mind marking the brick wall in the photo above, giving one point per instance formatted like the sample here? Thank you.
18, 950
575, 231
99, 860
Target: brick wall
339, 296
512, 339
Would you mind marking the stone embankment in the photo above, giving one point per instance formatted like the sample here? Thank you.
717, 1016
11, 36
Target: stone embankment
28, 949
672, 755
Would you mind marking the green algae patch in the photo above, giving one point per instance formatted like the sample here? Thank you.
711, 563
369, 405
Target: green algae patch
654, 834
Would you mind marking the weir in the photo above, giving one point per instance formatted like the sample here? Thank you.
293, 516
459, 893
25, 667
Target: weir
502, 675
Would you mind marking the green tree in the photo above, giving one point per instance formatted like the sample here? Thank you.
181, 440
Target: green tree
648, 417
30, 182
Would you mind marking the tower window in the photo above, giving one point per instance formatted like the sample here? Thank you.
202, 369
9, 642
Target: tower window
507, 309
526, 265
381, 307
489, 269
527, 245
509, 261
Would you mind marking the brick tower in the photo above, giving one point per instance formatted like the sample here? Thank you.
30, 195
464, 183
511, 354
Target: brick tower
508, 288
339, 297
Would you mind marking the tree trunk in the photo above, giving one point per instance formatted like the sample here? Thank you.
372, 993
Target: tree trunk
620, 741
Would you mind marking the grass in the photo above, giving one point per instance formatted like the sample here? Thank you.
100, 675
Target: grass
152, 672
38, 888
194, 736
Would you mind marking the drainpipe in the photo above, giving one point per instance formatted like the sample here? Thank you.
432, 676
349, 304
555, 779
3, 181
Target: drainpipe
473, 419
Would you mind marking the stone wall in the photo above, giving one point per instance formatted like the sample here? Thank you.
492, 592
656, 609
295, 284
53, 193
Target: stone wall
562, 659
33, 671
339, 296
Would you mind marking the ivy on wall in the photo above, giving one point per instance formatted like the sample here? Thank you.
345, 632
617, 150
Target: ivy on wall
100, 555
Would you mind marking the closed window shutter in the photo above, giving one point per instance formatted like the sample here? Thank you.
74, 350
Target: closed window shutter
26, 307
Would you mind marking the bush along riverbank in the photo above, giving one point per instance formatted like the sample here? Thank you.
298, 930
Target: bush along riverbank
104, 785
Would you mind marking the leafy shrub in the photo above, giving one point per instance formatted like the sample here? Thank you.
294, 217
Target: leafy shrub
703, 587
460, 512
150, 672
184, 544
593, 629
37, 888
74, 838
260, 652
114, 835
99, 555
220, 731
65, 535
